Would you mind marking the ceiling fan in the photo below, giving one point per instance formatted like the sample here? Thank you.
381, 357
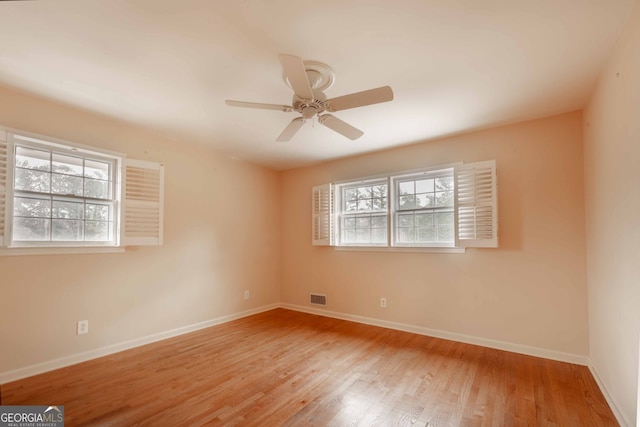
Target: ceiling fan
309, 79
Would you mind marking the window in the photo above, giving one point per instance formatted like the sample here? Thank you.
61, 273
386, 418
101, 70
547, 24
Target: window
61, 197
423, 209
55, 194
447, 207
363, 213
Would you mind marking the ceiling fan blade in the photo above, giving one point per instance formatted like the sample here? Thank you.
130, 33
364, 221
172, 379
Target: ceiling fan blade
293, 127
360, 99
295, 71
285, 108
340, 126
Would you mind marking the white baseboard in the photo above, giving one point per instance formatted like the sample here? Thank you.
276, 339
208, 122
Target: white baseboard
484, 342
39, 368
50, 365
614, 408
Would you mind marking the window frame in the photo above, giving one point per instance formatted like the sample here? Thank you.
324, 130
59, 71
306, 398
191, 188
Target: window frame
340, 215
394, 210
138, 185
21, 139
475, 209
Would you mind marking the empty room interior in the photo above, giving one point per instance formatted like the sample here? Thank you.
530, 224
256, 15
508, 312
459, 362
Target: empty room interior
321, 213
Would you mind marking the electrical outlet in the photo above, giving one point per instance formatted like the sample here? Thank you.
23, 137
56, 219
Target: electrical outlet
246, 294
383, 302
83, 327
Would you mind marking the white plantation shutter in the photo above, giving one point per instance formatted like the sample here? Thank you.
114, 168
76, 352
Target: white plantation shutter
322, 216
477, 205
142, 203
4, 162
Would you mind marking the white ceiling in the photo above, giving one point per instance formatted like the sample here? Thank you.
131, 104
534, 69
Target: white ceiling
454, 65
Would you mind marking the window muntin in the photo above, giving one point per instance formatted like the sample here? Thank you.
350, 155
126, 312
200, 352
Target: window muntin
62, 197
423, 209
363, 213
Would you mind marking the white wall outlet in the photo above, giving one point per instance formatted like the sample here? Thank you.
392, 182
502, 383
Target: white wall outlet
383, 302
83, 327
246, 294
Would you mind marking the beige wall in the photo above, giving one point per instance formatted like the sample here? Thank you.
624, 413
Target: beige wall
612, 163
221, 236
531, 291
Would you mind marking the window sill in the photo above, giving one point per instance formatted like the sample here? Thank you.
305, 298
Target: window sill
400, 249
60, 250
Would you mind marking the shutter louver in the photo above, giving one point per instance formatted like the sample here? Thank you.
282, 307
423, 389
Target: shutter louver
4, 162
142, 203
322, 217
477, 205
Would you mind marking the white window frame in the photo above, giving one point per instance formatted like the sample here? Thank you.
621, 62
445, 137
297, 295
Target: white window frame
474, 209
18, 140
137, 197
395, 180
340, 215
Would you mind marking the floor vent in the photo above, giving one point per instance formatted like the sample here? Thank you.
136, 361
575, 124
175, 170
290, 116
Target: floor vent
318, 299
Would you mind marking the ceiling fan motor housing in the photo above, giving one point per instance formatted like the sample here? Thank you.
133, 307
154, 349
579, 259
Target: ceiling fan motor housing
309, 108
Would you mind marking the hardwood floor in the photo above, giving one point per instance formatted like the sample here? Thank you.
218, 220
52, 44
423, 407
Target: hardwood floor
288, 368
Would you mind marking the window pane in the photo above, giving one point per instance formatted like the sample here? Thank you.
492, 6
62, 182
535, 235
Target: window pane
379, 204
424, 186
424, 219
65, 229
443, 218
445, 233
407, 202
405, 188
97, 170
349, 236
29, 207
97, 212
67, 164
364, 205
31, 228
425, 235
444, 230
405, 220
350, 194
380, 190
364, 192
405, 235
363, 222
424, 200
444, 184
350, 222
66, 184
33, 159
96, 231
444, 198
379, 222
351, 206
68, 210
379, 235
96, 189
32, 180
363, 235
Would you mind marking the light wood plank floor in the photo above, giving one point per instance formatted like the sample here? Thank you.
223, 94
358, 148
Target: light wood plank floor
288, 368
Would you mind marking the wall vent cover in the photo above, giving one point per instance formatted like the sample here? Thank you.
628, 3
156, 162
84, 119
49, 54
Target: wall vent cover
318, 299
